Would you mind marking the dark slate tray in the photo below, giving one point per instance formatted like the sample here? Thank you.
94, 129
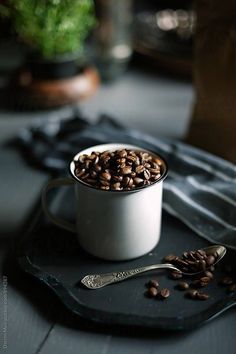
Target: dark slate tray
55, 258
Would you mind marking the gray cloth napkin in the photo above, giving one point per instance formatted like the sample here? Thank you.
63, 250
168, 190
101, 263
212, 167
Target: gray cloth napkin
200, 189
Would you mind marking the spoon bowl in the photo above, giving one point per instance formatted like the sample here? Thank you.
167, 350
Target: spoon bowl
96, 281
210, 251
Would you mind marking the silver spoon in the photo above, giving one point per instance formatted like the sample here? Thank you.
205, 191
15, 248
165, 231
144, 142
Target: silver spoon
96, 281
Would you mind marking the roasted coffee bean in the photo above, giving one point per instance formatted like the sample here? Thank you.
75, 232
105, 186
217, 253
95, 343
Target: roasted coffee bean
208, 274
180, 262
210, 260
170, 258
126, 170
147, 165
132, 153
86, 164
146, 183
205, 279
126, 181
104, 154
133, 174
96, 160
105, 188
93, 174
131, 159
97, 168
158, 161
117, 178
92, 156
202, 296
105, 159
80, 173
106, 176
139, 169
153, 283
199, 283
152, 291
156, 177
202, 264
82, 158
84, 176
164, 293
138, 180
192, 255
154, 171
116, 186
121, 161
226, 281
122, 153
104, 183
182, 285
146, 174
155, 165
175, 275
192, 294
232, 288
201, 252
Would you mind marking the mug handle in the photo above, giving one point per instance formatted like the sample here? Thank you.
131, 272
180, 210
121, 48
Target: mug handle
55, 219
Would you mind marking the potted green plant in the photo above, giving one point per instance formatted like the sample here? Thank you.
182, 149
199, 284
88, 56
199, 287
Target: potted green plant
53, 30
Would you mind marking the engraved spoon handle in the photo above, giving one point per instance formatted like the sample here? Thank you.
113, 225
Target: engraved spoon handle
96, 281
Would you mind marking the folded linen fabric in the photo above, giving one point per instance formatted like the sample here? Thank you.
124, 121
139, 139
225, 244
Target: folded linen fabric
200, 189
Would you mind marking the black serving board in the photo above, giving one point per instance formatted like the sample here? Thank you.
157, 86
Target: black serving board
55, 258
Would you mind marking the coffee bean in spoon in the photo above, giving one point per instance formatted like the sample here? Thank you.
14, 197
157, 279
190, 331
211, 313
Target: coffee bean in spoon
193, 261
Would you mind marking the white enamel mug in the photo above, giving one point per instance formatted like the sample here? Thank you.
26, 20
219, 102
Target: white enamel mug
113, 225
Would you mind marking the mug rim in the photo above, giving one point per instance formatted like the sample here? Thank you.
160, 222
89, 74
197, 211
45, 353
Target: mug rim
121, 145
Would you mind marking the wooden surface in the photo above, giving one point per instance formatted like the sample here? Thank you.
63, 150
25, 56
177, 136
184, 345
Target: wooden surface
37, 323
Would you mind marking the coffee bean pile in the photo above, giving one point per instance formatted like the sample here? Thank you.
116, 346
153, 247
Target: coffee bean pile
118, 170
154, 290
203, 280
192, 262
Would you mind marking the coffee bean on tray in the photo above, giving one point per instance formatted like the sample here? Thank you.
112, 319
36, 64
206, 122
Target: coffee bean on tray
202, 296
152, 292
153, 283
164, 293
191, 294
175, 275
133, 169
170, 258
182, 285
199, 283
